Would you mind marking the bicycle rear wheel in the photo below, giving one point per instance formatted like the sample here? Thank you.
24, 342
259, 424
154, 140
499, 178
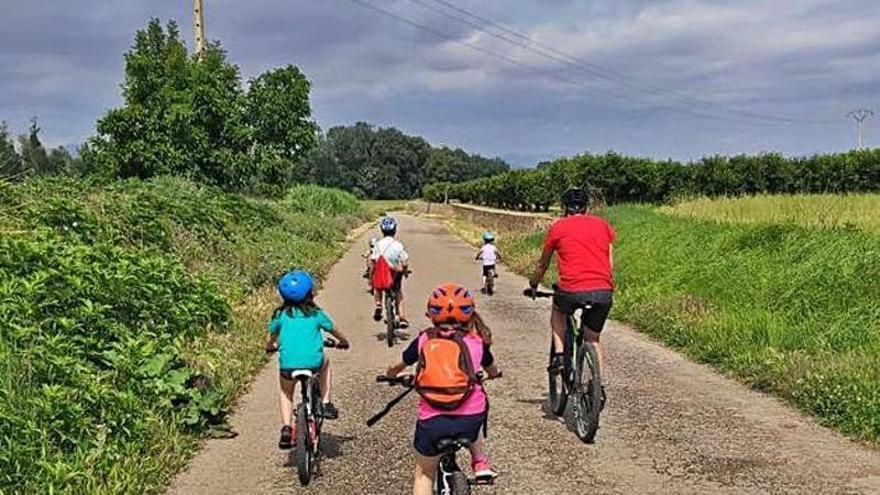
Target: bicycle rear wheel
490, 282
304, 449
587, 393
390, 319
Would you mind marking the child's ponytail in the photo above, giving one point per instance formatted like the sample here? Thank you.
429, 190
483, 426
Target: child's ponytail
479, 326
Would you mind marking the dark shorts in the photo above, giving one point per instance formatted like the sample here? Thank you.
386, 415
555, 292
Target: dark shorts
488, 269
593, 318
431, 431
398, 281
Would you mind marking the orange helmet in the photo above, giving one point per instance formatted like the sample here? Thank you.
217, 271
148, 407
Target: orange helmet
451, 303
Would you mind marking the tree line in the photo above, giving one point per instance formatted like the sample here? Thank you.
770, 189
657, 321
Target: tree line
192, 116
618, 179
384, 163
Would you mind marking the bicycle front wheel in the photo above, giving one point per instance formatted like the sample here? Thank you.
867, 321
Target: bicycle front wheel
304, 449
557, 392
587, 393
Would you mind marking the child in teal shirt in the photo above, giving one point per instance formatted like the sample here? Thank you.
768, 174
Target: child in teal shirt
296, 331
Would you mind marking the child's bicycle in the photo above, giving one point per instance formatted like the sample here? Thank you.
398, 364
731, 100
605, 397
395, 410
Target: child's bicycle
392, 323
449, 479
578, 377
309, 420
490, 281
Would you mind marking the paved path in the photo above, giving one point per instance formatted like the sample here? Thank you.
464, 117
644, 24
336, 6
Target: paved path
671, 426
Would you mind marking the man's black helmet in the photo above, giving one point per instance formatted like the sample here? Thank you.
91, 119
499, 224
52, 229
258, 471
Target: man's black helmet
575, 200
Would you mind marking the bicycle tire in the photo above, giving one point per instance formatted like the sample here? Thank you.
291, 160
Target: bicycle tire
303, 450
557, 396
490, 283
460, 485
390, 319
588, 393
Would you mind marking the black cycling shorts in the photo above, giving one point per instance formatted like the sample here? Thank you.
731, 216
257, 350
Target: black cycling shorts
430, 431
600, 303
488, 269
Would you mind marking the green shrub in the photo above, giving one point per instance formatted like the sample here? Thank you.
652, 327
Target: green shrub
116, 303
620, 179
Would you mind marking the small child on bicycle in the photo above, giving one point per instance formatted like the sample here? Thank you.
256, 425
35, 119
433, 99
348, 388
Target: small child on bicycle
458, 336
490, 255
296, 332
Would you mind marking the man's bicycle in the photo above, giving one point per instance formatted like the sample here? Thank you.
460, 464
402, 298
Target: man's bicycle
309, 420
449, 479
577, 377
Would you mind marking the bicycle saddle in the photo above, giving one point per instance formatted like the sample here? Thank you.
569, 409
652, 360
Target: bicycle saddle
445, 445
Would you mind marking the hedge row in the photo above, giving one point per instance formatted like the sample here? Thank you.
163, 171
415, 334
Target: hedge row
622, 179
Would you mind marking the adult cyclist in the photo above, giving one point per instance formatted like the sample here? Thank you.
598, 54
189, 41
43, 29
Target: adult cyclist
397, 258
583, 246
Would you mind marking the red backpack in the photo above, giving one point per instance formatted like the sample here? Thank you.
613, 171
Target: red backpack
382, 278
445, 374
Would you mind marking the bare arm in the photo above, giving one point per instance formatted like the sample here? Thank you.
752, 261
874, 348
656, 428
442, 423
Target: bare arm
340, 337
541, 268
611, 255
272, 342
396, 369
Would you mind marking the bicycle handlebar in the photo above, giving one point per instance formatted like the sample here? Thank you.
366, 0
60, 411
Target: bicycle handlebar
538, 293
329, 343
404, 380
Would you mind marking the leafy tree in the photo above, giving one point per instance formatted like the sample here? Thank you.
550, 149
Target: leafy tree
386, 163
191, 117
10, 161
33, 155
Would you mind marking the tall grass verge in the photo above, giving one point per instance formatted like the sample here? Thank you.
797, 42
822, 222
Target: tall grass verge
131, 319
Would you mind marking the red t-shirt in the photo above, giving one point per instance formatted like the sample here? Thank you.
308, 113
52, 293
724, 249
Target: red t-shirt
582, 244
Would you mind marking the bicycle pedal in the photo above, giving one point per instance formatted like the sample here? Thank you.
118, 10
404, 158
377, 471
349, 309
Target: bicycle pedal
484, 481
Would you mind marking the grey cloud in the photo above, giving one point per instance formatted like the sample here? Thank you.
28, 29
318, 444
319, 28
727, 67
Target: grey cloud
62, 61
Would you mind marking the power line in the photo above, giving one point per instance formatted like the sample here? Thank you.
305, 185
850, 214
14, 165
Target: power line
860, 115
596, 70
617, 95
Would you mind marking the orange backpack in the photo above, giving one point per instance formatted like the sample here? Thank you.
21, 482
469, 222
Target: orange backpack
382, 278
445, 375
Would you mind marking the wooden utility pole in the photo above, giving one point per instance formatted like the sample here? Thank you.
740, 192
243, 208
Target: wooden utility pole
199, 26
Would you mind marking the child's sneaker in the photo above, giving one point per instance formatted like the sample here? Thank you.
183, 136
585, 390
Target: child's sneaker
286, 440
329, 411
377, 314
483, 470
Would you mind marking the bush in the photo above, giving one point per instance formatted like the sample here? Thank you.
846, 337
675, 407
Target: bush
116, 304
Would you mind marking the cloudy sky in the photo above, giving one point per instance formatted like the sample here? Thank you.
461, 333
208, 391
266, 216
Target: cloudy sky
662, 78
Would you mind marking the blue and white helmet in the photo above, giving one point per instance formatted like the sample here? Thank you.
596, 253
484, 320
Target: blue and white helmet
388, 226
295, 286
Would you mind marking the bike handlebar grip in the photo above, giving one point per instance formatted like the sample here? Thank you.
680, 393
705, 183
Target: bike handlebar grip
383, 379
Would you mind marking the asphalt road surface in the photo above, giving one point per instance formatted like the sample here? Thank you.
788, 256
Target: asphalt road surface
670, 426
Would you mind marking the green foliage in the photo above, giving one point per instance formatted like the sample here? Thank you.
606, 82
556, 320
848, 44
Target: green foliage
791, 310
620, 179
321, 201
384, 163
189, 116
111, 298
10, 161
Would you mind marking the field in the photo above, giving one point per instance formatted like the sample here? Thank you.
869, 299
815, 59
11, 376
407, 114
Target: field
852, 211
788, 308
133, 315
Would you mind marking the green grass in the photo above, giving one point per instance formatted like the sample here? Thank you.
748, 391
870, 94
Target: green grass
383, 206
790, 310
861, 211
132, 317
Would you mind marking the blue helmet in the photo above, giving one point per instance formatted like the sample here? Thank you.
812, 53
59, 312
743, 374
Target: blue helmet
388, 225
295, 286
488, 236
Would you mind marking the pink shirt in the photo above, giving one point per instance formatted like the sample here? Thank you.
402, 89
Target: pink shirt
476, 402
